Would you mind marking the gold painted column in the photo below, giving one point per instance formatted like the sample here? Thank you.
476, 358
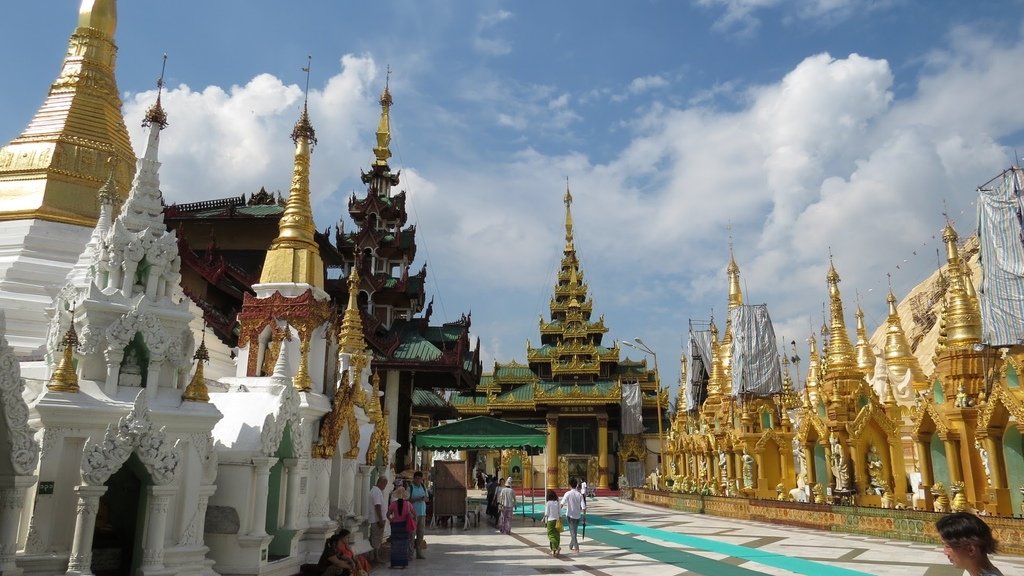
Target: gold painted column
811, 472
602, 451
956, 473
551, 453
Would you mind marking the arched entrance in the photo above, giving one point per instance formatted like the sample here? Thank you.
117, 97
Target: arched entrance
118, 535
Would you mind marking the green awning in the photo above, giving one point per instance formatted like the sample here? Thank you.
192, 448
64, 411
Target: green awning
479, 432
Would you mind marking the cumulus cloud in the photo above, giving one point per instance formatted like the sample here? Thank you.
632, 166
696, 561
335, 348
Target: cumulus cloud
226, 142
826, 156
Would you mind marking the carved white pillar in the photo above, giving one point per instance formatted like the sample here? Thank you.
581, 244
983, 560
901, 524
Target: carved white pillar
347, 481
12, 501
319, 496
113, 358
156, 527
259, 510
204, 500
363, 490
291, 503
85, 523
128, 280
156, 363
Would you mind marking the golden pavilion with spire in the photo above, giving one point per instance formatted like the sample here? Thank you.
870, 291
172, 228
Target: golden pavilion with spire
575, 386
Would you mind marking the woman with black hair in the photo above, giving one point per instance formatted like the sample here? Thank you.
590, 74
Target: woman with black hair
967, 543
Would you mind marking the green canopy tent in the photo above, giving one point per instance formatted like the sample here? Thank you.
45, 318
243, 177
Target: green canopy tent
479, 432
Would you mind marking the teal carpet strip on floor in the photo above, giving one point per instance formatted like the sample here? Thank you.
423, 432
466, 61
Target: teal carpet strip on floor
607, 531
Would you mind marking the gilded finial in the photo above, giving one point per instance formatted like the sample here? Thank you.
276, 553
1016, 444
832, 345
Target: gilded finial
100, 15
567, 199
350, 337
382, 151
303, 130
735, 292
962, 315
64, 378
294, 256
196, 390
156, 114
865, 355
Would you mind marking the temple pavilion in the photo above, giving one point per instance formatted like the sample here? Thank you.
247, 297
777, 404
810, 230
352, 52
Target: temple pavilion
600, 412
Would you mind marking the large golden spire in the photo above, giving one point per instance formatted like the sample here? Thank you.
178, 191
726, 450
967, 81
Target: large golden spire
898, 356
865, 355
840, 355
294, 255
54, 168
961, 316
735, 293
383, 148
568, 219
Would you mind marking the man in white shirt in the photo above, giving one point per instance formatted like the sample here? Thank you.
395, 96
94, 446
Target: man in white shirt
583, 489
378, 511
575, 509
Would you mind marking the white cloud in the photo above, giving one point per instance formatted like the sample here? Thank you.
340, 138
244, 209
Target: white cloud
486, 43
223, 143
742, 17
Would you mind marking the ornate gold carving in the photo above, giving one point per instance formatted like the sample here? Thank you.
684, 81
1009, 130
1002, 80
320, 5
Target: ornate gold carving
258, 313
380, 441
278, 334
341, 414
64, 378
196, 390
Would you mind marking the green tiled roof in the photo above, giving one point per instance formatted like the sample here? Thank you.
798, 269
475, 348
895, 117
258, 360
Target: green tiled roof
513, 372
518, 394
553, 388
467, 400
427, 399
415, 347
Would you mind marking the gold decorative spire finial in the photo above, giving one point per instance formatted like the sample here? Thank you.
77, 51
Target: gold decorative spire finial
962, 316
898, 355
64, 378
350, 337
568, 215
383, 148
840, 350
100, 15
196, 390
865, 355
156, 114
294, 256
735, 292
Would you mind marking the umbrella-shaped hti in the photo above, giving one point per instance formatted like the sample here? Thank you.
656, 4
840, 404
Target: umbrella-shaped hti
479, 432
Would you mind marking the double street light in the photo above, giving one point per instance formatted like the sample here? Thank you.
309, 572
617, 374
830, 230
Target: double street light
638, 344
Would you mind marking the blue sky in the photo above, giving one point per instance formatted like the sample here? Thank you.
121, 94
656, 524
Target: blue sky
791, 126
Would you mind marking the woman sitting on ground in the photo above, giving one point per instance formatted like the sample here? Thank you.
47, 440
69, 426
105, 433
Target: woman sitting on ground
968, 542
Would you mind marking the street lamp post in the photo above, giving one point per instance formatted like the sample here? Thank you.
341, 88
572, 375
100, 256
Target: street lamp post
638, 344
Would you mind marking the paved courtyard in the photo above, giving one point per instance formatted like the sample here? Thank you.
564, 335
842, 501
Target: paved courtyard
627, 539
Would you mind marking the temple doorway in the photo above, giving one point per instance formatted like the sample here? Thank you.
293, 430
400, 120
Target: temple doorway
277, 510
577, 467
940, 467
117, 537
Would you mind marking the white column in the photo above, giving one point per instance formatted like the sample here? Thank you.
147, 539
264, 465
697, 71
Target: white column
204, 500
319, 495
347, 500
362, 488
85, 523
153, 377
259, 508
156, 527
292, 495
12, 502
113, 358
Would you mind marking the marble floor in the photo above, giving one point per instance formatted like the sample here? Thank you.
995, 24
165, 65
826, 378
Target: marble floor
627, 539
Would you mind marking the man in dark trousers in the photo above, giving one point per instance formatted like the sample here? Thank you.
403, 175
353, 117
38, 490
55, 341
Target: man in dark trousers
492, 499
